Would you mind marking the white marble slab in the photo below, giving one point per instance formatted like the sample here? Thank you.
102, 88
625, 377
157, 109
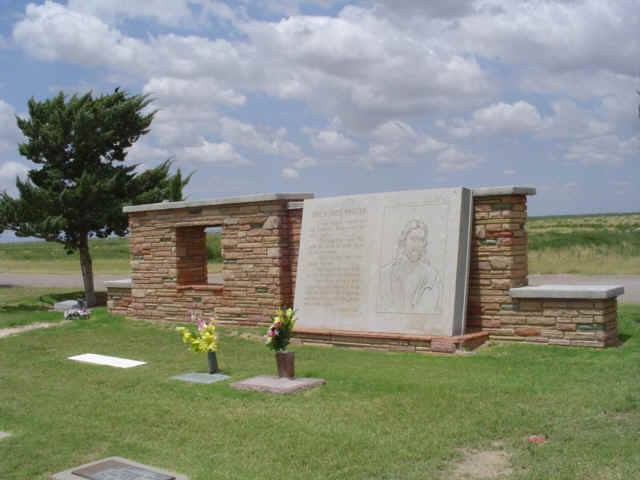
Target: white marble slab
97, 359
392, 262
568, 291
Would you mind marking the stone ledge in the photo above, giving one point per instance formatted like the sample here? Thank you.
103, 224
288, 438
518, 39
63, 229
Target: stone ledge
568, 291
124, 283
390, 336
295, 205
265, 197
504, 190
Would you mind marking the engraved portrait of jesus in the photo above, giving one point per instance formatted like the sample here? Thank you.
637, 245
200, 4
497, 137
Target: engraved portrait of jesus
410, 284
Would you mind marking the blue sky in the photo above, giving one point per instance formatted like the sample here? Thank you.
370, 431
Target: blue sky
337, 98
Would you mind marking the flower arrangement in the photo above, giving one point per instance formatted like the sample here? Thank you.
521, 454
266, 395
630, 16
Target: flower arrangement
205, 339
279, 333
79, 313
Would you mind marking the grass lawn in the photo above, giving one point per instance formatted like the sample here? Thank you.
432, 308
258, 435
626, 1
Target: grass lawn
380, 416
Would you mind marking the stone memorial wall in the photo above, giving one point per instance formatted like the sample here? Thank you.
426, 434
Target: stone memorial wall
347, 260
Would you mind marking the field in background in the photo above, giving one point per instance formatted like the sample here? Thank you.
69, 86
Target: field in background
581, 244
110, 256
606, 244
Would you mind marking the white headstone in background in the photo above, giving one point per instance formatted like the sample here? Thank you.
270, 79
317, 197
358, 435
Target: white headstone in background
391, 262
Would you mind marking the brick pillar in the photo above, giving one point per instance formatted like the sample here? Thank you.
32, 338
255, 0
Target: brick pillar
498, 259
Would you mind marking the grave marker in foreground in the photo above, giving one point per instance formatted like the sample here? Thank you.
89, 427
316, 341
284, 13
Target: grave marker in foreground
393, 262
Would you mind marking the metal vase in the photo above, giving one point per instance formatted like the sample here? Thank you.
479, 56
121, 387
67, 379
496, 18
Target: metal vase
212, 360
285, 362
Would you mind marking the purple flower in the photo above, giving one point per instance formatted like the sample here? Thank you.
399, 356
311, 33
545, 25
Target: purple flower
272, 332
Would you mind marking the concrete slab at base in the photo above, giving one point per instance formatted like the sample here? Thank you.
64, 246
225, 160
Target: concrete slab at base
4, 435
277, 385
117, 468
195, 377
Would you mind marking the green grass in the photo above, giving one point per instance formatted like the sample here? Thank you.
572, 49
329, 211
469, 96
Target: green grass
586, 244
380, 416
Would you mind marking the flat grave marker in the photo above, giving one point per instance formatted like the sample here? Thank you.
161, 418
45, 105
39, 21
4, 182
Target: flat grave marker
116, 468
392, 262
277, 385
4, 435
97, 359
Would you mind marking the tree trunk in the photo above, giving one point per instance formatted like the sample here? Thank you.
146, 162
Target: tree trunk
87, 271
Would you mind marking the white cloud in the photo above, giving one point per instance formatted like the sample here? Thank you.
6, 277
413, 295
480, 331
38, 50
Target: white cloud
604, 150
166, 12
354, 65
306, 162
396, 143
10, 134
8, 172
144, 154
453, 160
196, 91
499, 118
557, 36
290, 173
332, 142
219, 153
570, 121
262, 139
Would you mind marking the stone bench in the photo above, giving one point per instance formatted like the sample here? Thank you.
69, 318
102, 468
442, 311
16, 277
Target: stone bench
575, 315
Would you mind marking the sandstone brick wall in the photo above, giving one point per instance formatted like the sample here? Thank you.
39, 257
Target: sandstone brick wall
168, 262
574, 322
498, 259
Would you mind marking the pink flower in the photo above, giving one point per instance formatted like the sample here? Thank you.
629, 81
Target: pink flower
272, 332
278, 324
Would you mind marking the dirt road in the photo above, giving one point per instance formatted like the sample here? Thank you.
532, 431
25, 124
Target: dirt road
631, 283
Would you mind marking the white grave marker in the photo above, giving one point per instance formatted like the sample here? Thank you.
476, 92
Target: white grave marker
106, 360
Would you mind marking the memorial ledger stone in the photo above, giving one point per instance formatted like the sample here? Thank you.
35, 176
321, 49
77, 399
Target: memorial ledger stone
390, 262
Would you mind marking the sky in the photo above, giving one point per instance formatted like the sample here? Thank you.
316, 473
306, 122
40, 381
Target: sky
339, 98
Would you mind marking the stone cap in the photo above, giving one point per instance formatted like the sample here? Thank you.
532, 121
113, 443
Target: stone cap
568, 291
124, 283
505, 190
264, 197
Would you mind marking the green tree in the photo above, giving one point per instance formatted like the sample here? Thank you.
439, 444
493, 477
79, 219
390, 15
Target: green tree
81, 184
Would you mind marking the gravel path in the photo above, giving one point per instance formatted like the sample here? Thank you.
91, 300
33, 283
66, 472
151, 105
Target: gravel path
5, 332
631, 283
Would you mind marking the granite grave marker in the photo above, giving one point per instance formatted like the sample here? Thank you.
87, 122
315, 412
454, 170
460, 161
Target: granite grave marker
392, 262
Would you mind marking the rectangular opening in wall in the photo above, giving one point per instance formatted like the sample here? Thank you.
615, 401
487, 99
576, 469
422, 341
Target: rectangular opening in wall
199, 255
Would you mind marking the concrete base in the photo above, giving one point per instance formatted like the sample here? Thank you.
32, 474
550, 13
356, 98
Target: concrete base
201, 377
117, 468
277, 385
